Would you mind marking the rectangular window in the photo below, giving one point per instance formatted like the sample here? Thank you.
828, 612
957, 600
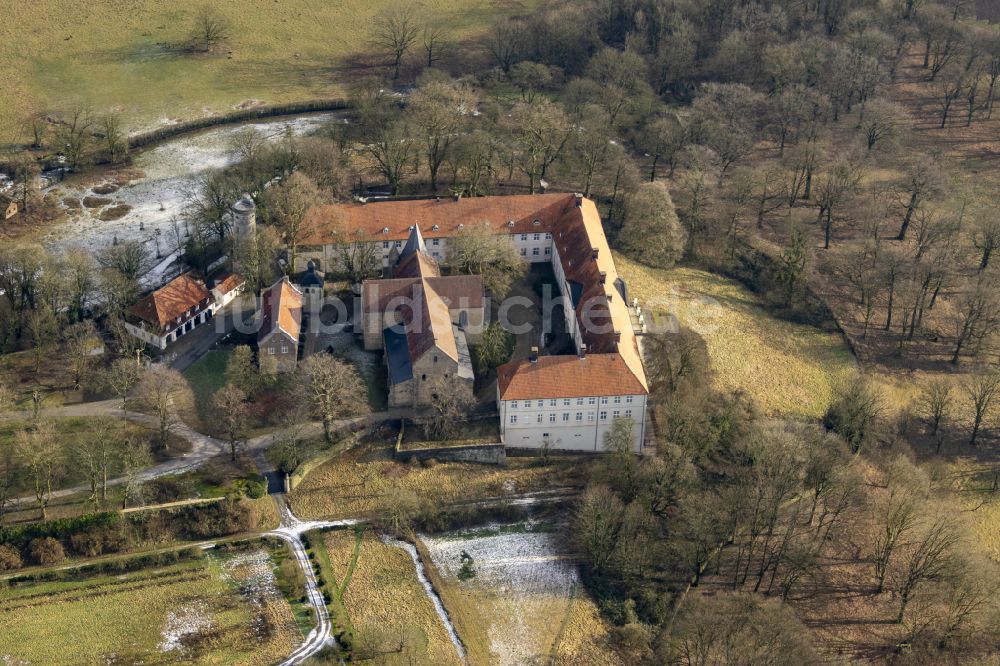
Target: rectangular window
534, 251
548, 236
604, 416
591, 401
604, 400
548, 251
527, 404
618, 400
552, 418
565, 416
628, 413
615, 414
565, 402
513, 404
513, 418
399, 243
524, 236
539, 419
270, 350
435, 241
579, 401
590, 416
579, 416
284, 349
385, 245
628, 398
538, 237
524, 252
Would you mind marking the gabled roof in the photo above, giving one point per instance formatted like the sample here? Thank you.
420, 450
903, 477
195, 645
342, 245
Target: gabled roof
567, 377
466, 291
281, 309
162, 307
444, 218
597, 292
227, 282
595, 286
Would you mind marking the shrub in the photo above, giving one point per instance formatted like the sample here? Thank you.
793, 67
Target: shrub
10, 559
46, 550
87, 544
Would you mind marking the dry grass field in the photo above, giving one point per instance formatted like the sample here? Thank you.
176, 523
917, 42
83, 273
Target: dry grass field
789, 369
385, 601
360, 482
221, 610
126, 56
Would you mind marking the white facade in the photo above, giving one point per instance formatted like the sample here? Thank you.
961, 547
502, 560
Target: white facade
162, 341
534, 246
570, 424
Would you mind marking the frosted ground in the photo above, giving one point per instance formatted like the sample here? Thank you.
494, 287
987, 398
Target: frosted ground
523, 586
168, 173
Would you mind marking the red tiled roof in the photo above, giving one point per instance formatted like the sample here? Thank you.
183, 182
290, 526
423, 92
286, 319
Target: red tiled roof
601, 310
466, 291
162, 307
281, 307
436, 219
567, 377
228, 281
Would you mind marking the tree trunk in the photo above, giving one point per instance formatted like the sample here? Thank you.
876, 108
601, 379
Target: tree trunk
908, 216
652, 170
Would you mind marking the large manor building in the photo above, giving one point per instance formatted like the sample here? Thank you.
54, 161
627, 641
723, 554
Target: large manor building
566, 402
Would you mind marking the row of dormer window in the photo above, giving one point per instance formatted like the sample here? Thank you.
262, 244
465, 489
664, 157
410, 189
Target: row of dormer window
528, 404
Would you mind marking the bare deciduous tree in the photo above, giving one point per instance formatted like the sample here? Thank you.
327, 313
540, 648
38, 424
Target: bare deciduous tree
210, 30
334, 389
983, 389
40, 449
395, 31
232, 414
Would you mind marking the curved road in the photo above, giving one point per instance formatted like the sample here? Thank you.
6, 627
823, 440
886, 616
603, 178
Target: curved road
291, 532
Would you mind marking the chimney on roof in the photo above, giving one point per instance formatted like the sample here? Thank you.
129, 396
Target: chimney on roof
534, 355
594, 251
579, 199
583, 351
604, 277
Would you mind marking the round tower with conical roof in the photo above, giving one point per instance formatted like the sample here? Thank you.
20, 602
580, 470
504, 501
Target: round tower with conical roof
244, 217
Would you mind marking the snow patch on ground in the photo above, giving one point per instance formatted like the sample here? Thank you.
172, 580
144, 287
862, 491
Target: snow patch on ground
521, 575
188, 620
253, 573
170, 172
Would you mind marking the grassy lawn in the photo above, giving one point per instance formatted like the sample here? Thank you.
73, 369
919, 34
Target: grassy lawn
52, 381
217, 610
386, 600
358, 482
123, 56
789, 369
206, 376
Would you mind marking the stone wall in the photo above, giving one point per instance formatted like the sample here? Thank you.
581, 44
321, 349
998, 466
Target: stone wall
487, 454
